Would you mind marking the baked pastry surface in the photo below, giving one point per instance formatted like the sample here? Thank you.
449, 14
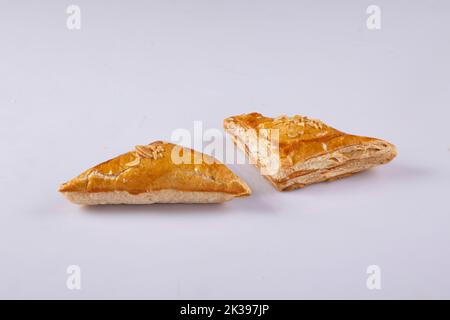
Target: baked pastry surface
305, 151
156, 173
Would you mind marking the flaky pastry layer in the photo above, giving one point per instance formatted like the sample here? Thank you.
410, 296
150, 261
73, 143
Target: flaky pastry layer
162, 196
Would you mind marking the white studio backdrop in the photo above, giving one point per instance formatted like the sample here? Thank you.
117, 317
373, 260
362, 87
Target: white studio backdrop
73, 95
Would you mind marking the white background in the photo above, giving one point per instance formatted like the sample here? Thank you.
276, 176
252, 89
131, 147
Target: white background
137, 70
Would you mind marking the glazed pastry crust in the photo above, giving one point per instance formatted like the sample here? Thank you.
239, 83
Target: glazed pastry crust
156, 173
308, 151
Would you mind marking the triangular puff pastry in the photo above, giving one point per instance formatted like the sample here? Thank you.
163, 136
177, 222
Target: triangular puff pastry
156, 173
306, 151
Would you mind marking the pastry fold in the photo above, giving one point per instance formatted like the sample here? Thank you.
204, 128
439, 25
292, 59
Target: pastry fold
156, 173
303, 151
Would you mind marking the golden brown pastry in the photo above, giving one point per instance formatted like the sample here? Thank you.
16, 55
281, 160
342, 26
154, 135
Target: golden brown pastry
156, 173
304, 151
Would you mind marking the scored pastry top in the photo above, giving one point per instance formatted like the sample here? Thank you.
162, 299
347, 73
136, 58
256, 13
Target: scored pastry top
299, 138
152, 168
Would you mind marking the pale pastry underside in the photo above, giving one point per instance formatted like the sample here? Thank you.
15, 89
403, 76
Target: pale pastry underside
335, 165
161, 196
